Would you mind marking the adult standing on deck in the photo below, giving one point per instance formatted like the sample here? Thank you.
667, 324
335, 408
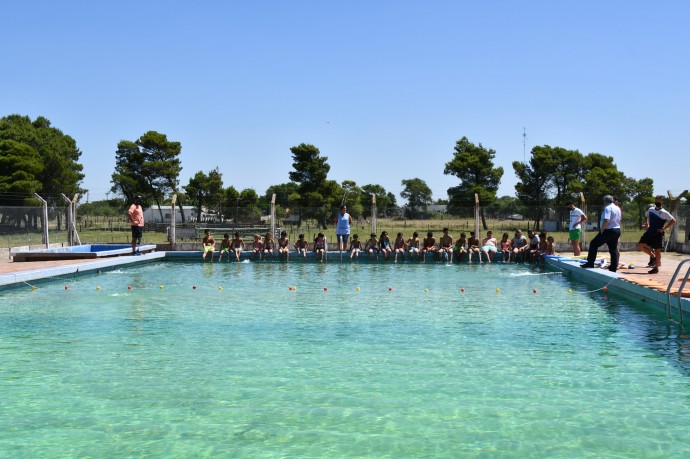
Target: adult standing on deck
342, 227
609, 234
658, 221
136, 218
577, 218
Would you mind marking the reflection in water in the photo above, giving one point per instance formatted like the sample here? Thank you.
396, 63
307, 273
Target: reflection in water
653, 329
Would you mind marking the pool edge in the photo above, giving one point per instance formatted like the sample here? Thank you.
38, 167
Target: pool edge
616, 284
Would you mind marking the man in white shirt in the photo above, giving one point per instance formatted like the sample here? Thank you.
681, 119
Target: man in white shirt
609, 233
577, 218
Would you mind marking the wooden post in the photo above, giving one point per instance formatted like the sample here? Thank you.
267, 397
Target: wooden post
173, 220
673, 204
373, 214
273, 215
476, 215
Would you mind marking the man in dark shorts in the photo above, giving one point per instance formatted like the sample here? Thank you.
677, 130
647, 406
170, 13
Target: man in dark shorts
136, 218
656, 225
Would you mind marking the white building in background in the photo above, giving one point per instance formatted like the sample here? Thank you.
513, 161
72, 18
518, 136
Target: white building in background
153, 215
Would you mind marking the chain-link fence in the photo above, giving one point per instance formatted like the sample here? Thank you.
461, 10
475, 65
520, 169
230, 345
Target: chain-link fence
22, 226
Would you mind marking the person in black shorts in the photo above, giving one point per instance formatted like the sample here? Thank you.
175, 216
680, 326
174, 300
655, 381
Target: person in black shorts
658, 221
136, 218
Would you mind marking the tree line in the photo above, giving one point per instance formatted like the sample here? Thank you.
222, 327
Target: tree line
38, 158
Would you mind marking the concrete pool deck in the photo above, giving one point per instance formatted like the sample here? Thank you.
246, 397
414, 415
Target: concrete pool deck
12, 273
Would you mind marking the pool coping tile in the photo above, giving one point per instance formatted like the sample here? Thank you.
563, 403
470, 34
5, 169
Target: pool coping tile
616, 284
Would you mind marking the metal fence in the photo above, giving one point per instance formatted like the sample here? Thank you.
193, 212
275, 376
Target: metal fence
26, 226
22, 226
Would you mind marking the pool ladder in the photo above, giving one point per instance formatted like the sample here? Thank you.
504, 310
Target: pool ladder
679, 293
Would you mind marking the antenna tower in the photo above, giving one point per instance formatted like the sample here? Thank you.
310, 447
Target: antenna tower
524, 142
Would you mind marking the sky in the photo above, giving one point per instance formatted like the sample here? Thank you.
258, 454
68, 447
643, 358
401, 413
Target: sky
384, 89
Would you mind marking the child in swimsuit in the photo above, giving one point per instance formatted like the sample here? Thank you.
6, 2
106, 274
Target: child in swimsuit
550, 246
208, 244
429, 245
283, 246
355, 246
237, 246
543, 244
257, 246
268, 246
473, 247
446, 245
224, 247
301, 246
372, 247
459, 248
488, 246
399, 247
413, 246
320, 246
385, 245
506, 247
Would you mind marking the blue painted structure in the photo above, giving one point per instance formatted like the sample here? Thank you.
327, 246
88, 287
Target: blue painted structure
78, 252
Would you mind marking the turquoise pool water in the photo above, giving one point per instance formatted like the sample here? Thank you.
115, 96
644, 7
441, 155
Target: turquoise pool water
254, 369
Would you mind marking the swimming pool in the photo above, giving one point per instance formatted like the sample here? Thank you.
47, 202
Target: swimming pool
406, 366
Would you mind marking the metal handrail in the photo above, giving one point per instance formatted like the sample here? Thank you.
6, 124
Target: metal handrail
680, 291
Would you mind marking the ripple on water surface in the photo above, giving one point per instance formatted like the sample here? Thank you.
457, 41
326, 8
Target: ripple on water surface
358, 360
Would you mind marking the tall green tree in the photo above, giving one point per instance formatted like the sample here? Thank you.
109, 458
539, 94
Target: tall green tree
206, 190
150, 166
566, 171
241, 206
641, 194
20, 165
314, 189
61, 171
384, 199
282, 192
249, 203
418, 196
505, 206
535, 180
474, 166
352, 198
601, 177
231, 203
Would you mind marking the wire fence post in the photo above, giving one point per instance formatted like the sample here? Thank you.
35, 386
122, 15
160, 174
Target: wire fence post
44, 204
69, 219
73, 203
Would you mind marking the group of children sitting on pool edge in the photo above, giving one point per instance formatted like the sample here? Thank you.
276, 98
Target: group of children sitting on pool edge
517, 248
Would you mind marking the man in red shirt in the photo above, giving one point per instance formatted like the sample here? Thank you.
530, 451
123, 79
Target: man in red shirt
136, 217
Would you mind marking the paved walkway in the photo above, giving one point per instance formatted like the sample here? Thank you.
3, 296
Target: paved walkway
639, 275
8, 267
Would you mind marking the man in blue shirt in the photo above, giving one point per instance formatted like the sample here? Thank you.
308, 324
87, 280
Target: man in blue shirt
658, 221
609, 233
